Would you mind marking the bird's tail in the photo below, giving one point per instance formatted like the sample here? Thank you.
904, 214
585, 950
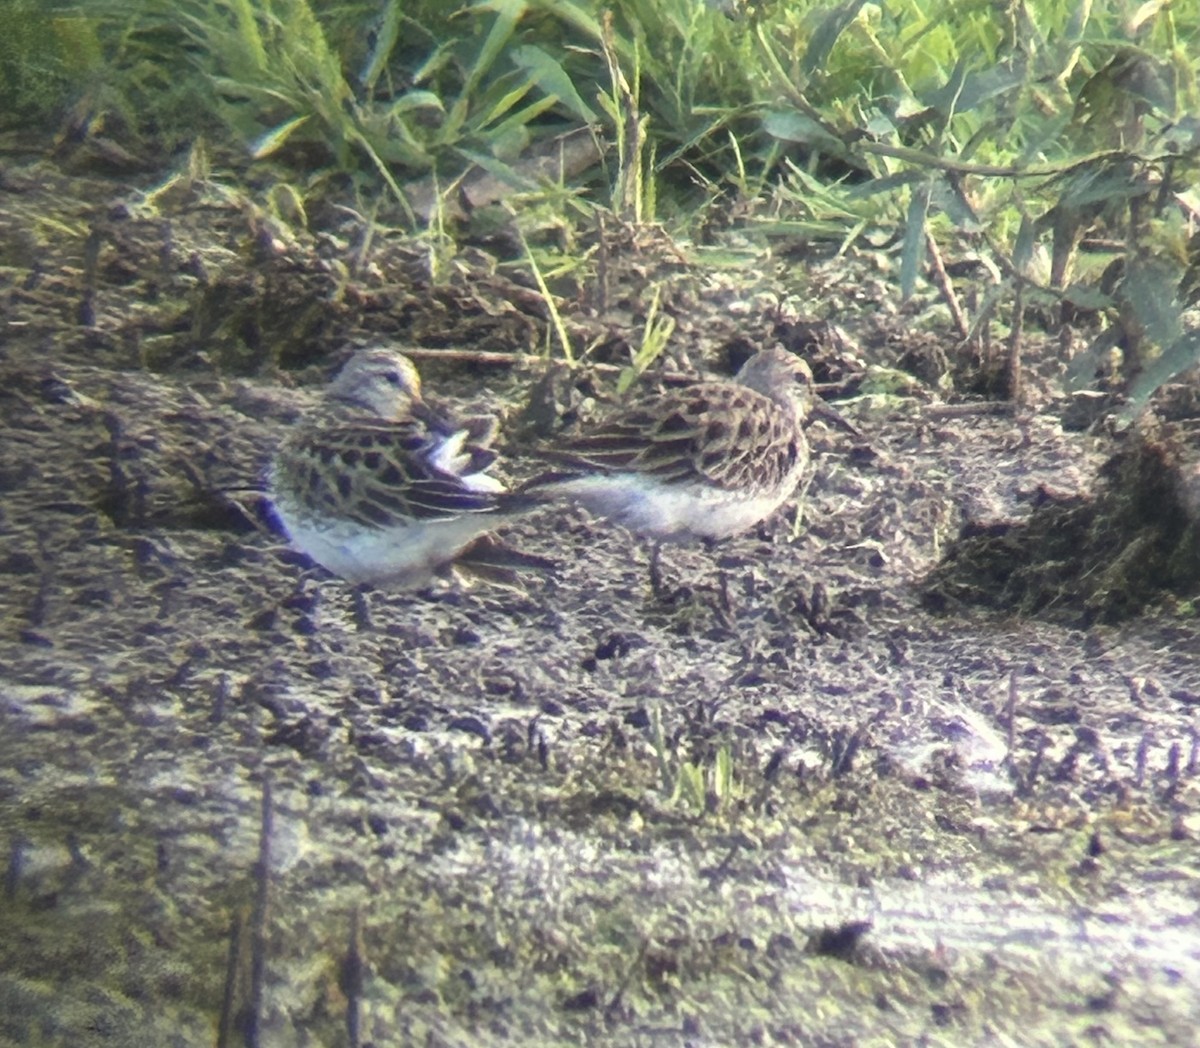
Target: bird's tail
524, 499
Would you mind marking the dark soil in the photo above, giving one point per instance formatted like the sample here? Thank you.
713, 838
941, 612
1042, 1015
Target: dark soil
819, 796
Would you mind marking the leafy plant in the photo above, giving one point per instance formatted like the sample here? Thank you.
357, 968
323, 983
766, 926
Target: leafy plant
40, 57
656, 333
1038, 132
467, 99
701, 787
1045, 129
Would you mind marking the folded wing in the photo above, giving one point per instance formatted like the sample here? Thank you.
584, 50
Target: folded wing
714, 433
387, 475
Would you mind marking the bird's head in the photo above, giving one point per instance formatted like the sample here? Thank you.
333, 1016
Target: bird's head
381, 381
774, 371
785, 376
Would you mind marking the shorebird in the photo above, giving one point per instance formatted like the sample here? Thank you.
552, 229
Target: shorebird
382, 489
705, 462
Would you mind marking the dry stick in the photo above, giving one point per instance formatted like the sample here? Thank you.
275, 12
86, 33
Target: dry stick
37, 613
1143, 756
981, 407
473, 356
601, 302
1174, 754
636, 964
353, 969
1035, 766
16, 863
1014, 346
233, 967
1172, 774
86, 314
258, 921
946, 287
1010, 714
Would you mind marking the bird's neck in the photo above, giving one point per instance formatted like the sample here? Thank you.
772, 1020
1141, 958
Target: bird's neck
789, 398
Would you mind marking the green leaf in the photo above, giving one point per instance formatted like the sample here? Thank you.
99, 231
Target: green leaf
951, 201
945, 98
521, 119
437, 60
689, 786
1101, 183
1087, 298
826, 34
886, 184
1079, 19
413, 100
1023, 248
967, 91
790, 125
387, 30
1149, 291
1180, 355
268, 142
508, 14
502, 105
247, 33
506, 173
723, 774
656, 333
236, 90
579, 17
914, 241
550, 76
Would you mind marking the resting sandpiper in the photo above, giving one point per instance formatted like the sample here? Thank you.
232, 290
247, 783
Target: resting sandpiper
705, 462
382, 489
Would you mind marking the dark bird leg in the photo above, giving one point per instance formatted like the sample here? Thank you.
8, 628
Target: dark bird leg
657, 585
724, 601
363, 621
724, 606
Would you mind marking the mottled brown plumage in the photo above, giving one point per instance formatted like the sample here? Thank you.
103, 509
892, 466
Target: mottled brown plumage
704, 462
382, 476
380, 488
713, 434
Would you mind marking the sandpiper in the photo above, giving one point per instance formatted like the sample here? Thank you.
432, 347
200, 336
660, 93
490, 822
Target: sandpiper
382, 489
704, 462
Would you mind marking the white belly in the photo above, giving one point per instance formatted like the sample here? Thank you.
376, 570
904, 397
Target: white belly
402, 557
671, 513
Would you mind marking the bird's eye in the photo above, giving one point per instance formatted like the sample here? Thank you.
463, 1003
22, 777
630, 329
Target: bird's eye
392, 378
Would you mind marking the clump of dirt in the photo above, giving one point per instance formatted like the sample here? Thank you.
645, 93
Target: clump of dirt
1083, 559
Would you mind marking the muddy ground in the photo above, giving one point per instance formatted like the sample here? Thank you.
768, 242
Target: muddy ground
824, 795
